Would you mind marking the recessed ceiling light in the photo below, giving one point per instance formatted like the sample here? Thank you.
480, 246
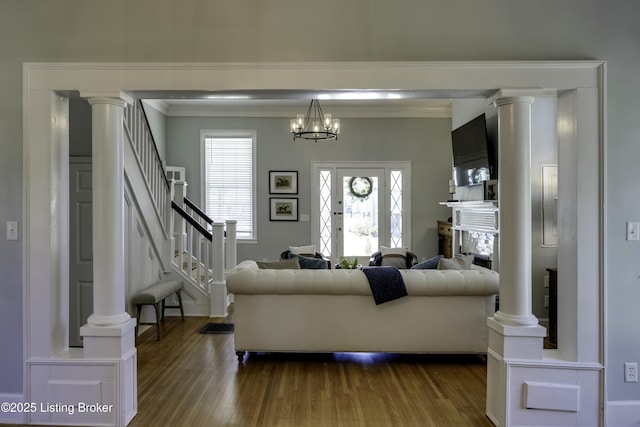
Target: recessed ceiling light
228, 97
359, 96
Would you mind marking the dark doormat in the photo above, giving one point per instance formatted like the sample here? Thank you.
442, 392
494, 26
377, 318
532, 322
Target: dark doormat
217, 328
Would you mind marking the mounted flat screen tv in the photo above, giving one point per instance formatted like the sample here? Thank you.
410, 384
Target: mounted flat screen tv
472, 154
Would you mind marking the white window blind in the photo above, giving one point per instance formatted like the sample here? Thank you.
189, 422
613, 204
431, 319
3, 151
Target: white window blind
229, 181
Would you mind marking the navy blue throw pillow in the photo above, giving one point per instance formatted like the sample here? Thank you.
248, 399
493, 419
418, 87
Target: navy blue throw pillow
431, 263
311, 263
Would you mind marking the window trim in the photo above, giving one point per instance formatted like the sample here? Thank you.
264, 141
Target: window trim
224, 133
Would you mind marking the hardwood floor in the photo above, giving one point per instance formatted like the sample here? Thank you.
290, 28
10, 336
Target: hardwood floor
193, 379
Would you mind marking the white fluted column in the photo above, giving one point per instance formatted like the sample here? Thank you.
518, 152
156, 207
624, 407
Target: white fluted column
108, 212
514, 187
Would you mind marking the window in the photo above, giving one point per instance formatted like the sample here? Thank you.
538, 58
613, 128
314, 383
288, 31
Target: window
228, 169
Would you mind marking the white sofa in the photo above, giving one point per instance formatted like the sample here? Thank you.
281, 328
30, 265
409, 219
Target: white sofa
320, 311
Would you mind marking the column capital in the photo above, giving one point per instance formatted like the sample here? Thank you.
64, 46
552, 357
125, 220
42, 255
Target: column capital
514, 96
107, 97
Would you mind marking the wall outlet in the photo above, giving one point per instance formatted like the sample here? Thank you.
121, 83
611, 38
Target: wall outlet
630, 372
546, 300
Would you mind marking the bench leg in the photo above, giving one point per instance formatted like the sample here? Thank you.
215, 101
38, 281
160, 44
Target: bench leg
158, 308
180, 303
139, 310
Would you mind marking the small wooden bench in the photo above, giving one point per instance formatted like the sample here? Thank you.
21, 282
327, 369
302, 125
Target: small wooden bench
155, 295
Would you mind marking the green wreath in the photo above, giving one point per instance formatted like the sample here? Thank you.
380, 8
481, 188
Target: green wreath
360, 186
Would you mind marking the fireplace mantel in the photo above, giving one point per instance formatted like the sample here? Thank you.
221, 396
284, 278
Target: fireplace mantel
475, 218
480, 216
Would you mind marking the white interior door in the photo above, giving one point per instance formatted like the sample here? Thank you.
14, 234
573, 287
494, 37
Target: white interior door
359, 212
80, 247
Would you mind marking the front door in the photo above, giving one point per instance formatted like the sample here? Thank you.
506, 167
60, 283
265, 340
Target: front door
359, 210
359, 206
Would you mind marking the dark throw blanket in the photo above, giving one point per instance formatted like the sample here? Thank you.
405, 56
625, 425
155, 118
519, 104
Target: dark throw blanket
386, 283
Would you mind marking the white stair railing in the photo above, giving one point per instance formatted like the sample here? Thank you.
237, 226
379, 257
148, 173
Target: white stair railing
202, 248
139, 132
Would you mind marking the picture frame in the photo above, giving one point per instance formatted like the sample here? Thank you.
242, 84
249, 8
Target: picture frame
491, 189
283, 209
283, 182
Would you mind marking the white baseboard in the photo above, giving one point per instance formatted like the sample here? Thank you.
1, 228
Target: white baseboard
11, 417
190, 309
623, 413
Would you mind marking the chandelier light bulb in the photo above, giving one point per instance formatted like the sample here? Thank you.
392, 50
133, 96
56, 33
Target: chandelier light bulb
336, 125
327, 121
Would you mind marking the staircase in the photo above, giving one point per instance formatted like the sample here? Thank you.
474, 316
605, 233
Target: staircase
192, 245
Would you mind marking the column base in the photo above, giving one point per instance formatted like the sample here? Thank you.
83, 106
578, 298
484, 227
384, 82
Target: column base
219, 299
507, 319
108, 341
119, 319
97, 389
516, 342
507, 342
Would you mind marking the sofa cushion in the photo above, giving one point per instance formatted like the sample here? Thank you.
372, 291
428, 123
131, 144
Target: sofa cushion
393, 257
309, 250
429, 264
279, 265
460, 262
310, 263
385, 250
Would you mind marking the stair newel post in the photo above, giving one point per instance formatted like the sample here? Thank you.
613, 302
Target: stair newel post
230, 244
218, 287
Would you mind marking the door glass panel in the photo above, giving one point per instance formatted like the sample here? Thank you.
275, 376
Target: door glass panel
396, 208
325, 213
360, 215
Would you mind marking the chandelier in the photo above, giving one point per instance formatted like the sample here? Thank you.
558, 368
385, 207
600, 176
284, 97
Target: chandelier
315, 124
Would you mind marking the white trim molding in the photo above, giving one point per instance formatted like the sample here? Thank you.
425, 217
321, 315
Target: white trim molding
582, 89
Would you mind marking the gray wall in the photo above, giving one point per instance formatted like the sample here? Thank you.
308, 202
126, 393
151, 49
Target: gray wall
424, 142
271, 30
157, 124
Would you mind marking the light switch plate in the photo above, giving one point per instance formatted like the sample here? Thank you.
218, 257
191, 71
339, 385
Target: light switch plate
633, 230
12, 230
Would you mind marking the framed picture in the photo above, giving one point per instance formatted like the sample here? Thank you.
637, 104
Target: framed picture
284, 209
283, 182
